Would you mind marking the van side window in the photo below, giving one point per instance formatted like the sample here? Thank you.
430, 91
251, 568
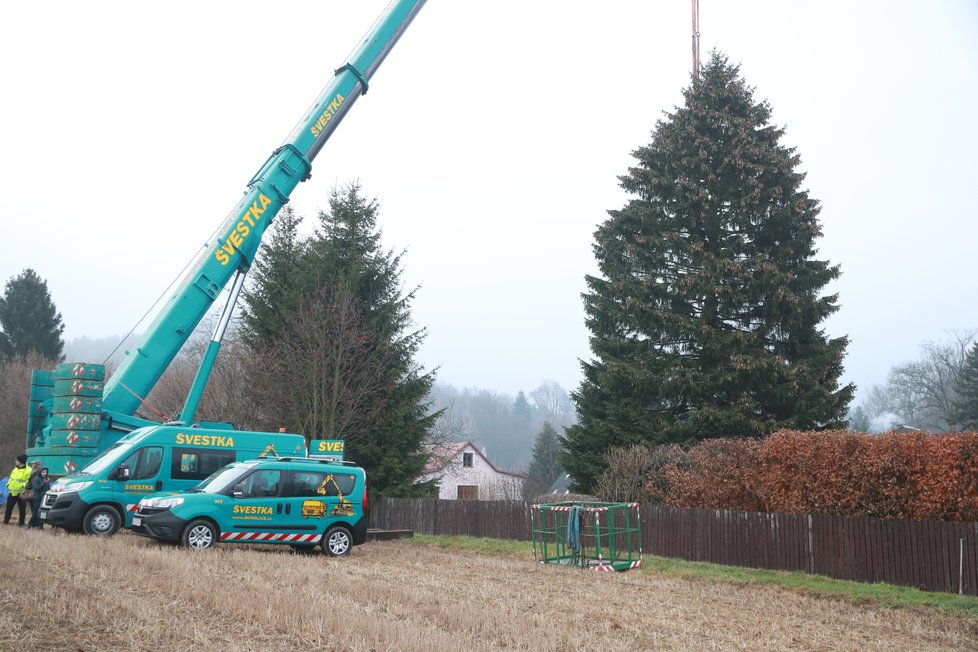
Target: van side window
144, 463
322, 483
150, 463
343, 483
261, 484
198, 463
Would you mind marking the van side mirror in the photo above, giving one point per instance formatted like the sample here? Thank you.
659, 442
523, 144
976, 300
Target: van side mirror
121, 472
238, 490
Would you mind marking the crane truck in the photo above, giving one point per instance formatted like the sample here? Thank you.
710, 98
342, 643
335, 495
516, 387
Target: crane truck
76, 414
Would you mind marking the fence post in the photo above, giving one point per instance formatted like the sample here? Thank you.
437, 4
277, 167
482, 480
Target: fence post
811, 546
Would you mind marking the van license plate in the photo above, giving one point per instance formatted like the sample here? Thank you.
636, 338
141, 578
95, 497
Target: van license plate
44, 515
136, 521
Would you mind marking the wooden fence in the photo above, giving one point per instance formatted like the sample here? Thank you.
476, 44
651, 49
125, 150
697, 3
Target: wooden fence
929, 555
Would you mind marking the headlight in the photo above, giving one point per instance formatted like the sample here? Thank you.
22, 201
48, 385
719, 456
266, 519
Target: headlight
59, 488
161, 503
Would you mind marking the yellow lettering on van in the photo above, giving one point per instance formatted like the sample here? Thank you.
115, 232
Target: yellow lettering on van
251, 509
205, 440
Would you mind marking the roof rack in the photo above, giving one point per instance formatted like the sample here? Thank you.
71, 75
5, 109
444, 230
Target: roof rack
313, 458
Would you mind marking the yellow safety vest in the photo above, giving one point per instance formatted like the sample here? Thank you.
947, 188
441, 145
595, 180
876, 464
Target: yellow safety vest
18, 480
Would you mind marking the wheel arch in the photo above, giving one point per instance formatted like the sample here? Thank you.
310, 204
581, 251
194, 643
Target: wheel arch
116, 508
204, 517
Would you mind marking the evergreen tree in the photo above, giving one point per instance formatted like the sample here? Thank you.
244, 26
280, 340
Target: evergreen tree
29, 320
859, 420
274, 287
544, 466
966, 414
522, 410
343, 273
706, 319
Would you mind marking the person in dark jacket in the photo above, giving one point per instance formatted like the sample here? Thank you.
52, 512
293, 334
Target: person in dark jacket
39, 485
35, 467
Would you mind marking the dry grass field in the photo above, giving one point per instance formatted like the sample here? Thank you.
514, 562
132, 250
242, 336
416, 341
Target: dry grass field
68, 592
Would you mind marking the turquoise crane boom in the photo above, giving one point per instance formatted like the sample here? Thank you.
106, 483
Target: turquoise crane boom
54, 434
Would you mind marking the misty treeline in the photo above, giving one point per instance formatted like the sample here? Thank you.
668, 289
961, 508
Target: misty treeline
505, 426
937, 392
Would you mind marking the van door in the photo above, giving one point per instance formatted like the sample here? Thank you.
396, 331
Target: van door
256, 511
144, 467
309, 504
323, 495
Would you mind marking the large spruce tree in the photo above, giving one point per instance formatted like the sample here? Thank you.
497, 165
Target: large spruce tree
332, 323
275, 288
707, 318
29, 320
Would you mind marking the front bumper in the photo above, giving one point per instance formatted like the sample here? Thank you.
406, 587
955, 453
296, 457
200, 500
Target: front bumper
159, 525
64, 510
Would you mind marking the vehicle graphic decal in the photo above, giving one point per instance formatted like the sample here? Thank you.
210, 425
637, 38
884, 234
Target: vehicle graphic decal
315, 508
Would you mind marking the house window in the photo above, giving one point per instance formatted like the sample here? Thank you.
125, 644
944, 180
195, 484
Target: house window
468, 492
467, 460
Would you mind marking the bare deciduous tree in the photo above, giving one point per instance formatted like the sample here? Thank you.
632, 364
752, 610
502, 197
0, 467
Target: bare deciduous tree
637, 473
554, 403
229, 394
15, 389
922, 393
329, 375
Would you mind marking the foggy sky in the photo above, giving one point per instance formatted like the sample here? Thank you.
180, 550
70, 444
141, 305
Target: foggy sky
493, 136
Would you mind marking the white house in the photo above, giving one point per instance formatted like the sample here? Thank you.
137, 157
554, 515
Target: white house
464, 472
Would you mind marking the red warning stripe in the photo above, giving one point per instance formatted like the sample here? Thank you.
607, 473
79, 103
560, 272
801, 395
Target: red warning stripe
270, 536
603, 568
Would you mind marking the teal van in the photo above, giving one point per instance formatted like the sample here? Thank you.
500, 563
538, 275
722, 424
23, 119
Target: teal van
101, 497
293, 501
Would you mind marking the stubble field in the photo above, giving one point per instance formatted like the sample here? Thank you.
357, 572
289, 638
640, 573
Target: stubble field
68, 592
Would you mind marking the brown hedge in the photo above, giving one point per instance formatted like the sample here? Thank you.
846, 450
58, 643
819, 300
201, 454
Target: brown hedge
903, 475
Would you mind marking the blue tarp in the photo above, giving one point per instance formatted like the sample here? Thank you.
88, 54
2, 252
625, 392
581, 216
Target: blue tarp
3, 489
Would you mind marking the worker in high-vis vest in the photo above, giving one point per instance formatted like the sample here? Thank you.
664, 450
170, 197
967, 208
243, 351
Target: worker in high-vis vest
16, 485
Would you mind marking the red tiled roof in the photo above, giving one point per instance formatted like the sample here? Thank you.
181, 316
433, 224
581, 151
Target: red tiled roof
442, 454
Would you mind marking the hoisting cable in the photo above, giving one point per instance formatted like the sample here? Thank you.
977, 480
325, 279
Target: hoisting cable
165, 291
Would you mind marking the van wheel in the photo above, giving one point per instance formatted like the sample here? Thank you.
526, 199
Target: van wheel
199, 533
102, 521
337, 541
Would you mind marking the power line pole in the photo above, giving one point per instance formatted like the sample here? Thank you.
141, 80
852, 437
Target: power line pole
696, 40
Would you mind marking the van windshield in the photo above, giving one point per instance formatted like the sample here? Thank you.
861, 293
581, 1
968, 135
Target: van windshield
223, 478
107, 459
